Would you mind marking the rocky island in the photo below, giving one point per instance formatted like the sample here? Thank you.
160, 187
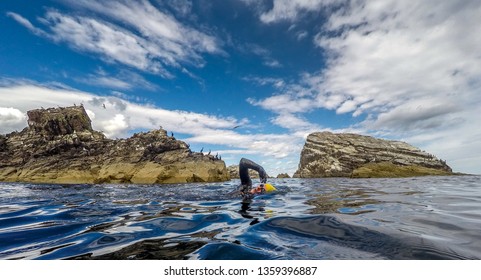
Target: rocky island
327, 154
60, 146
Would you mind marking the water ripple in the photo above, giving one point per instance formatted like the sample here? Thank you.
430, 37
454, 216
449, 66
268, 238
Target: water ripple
335, 218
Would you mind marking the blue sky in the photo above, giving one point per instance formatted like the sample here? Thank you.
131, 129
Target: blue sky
246, 78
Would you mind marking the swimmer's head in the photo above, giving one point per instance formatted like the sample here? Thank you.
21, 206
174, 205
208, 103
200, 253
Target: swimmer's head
263, 188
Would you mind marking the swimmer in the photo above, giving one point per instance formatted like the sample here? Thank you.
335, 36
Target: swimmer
262, 188
245, 188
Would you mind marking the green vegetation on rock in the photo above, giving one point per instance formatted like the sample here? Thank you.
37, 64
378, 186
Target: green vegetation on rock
390, 170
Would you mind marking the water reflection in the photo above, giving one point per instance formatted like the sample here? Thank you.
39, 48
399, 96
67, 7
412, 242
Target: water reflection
350, 201
319, 230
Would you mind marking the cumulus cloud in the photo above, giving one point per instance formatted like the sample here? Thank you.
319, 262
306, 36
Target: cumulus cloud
408, 69
136, 34
117, 125
10, 119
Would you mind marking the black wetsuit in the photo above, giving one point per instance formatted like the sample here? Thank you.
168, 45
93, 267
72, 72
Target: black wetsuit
246, 182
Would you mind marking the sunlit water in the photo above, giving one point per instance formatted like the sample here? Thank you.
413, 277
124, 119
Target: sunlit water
336, 218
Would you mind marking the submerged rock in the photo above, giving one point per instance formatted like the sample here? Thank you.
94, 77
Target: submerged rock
60, 146
326, 154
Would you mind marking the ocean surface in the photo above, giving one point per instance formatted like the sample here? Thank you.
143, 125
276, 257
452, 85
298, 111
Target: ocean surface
334, 218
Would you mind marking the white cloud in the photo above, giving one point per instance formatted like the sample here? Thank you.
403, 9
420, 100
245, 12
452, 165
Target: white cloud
263, 81
291, 9
10, 119
118, 125
25, 96
272, 63
124, 80
113, 43
181, 7
284, 103
137, 35
266, 145
110, 82
411, 70
301, 35
347, 106
175, 40
264, 54
26, 23
294, 122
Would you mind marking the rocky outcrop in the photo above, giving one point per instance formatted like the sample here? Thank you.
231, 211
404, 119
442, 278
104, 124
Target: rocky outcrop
60, 146
327, 154
283, 176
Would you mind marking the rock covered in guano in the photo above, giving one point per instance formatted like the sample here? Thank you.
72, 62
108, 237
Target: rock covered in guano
60, 146
327, 154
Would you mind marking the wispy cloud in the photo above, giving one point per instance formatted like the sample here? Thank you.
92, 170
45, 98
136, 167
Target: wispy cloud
181, 7
263, 81
264, 54
273, 63
300, 35
133, 33
123, 80
27, 24
176, 41
292, 9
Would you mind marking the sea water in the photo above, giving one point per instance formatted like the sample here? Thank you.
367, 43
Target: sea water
332, 218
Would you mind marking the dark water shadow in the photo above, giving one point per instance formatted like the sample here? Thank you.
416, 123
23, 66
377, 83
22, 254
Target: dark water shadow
148, 250
327, 229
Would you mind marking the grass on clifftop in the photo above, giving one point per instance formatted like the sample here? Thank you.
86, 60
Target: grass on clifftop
390, 170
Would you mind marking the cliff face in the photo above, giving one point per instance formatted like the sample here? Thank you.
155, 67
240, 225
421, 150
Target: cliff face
60, 146
327, 154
